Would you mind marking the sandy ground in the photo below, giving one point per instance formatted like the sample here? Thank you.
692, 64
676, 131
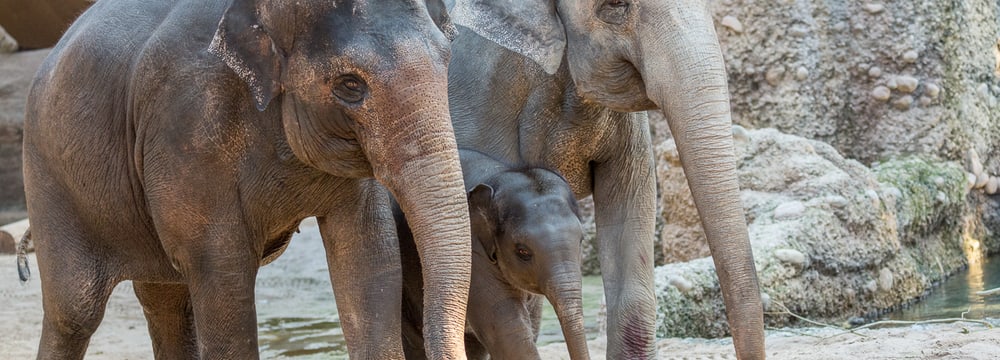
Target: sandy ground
295, 311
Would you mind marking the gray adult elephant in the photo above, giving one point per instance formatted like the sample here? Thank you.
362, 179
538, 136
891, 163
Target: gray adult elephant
178, 144
551, 83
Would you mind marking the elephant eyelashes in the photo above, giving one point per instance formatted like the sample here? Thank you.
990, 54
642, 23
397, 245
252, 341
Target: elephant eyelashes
523, 253
350, 89
613, 11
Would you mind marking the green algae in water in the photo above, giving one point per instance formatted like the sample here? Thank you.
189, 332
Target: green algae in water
957, 295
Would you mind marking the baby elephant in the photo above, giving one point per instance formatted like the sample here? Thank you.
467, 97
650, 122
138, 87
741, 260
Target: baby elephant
526, 237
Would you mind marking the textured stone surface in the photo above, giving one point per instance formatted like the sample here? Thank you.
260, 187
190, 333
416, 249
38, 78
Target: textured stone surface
935, 56
866, 240
16, 71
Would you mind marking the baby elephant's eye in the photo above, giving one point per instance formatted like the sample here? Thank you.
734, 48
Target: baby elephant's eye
523, 253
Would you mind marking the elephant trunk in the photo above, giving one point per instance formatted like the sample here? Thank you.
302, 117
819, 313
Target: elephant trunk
685, 75
564, 293
416, 157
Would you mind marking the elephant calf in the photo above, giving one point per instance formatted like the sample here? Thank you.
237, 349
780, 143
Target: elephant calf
526, 237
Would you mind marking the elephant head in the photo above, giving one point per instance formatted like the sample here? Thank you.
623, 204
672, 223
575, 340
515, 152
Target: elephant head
632, 55
362, 87
527, 227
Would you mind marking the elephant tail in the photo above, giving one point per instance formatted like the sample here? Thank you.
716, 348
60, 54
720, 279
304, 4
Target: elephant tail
22, 256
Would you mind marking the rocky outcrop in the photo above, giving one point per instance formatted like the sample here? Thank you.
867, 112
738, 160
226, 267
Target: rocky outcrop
16, 71
832, 238
7, 43
874, 79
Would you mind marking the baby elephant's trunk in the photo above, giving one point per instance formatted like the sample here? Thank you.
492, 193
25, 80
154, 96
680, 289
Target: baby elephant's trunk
564, 293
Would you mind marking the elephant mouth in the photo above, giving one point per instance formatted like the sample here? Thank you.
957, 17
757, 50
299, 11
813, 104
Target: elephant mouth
619, 87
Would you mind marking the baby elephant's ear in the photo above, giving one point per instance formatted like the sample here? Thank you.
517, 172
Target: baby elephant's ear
483, 219
244, 45
529, 27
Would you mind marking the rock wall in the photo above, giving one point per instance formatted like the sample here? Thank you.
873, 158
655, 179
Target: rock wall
832, 238
16, 71
874, 79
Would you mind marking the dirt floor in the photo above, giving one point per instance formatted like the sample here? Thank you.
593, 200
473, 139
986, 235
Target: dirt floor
297, 321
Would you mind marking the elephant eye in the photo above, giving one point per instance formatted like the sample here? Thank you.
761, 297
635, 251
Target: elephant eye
613, 11
523, 253
350, 89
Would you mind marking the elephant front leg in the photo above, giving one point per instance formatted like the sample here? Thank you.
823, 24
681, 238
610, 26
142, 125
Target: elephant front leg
167, 308
363, 256
210, 246
220, 267
624, 212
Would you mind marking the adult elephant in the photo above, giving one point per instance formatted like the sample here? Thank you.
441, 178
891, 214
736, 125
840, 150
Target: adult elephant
553, 83
178, 144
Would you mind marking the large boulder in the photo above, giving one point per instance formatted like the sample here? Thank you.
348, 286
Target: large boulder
16, 71
832, 238
39, 23
7, 43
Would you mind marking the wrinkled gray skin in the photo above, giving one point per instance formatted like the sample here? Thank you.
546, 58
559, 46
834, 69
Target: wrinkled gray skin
552, 84
178, 144
526, 236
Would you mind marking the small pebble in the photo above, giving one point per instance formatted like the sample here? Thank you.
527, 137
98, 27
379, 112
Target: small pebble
981, 180
875, 71
925, 100
891, 83
937, 180
881, 93
680, 283
765, 300
798, 31
983, 90
910, 56
789, 210
993, 185
740, 134
970, 180
801, 73
872, 194
972, 162
942, 197
774, 75
932, 90
836, 201
885, 279
873, 8
906, 83
903, 103
893, 192
791, 256
733, 24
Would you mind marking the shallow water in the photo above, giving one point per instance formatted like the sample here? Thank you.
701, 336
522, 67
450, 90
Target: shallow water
957, 295
321, 337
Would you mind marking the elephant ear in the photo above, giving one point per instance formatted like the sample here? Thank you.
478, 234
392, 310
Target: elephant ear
438, 10
529, 27
483, 219
243, 44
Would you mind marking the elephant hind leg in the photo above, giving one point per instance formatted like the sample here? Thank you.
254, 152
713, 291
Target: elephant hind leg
167, 308
74, 304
